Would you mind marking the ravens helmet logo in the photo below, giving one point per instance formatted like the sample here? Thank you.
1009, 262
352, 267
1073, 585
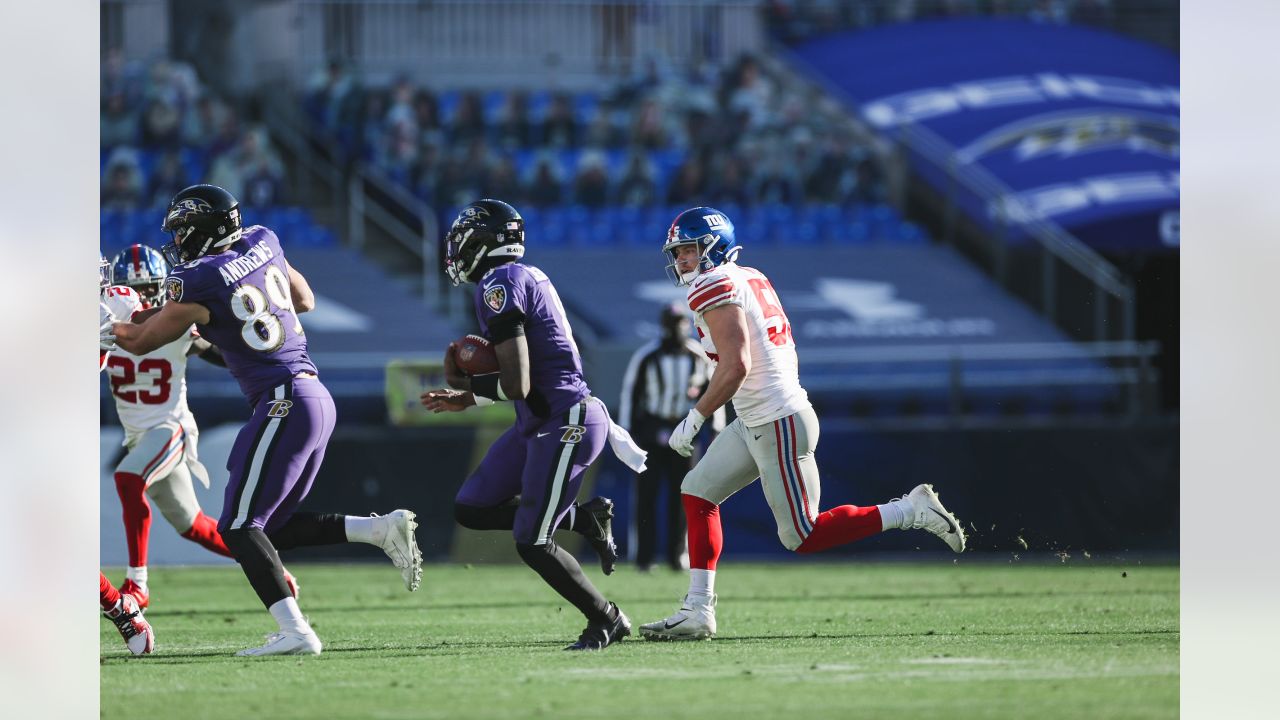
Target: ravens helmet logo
187, 207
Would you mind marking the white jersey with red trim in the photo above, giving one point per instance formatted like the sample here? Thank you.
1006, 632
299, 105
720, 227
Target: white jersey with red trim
150, 390
772, 388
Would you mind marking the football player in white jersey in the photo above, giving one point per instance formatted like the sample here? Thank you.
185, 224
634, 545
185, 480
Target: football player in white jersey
160, 432
746, 333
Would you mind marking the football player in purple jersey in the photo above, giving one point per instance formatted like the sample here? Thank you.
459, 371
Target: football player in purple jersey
531, 475
236, 287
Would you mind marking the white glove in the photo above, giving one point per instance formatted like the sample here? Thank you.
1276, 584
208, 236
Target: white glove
681, 439
107, 336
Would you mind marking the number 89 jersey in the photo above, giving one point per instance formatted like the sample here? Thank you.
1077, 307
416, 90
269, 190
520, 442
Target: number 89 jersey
251, 315
772, 386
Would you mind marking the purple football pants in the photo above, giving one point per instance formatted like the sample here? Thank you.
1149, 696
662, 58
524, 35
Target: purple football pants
276, 455
544, 468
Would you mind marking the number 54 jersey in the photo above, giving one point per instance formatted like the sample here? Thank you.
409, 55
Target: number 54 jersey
772, 388
251, 315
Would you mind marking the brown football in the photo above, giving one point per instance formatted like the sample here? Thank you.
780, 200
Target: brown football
476, 356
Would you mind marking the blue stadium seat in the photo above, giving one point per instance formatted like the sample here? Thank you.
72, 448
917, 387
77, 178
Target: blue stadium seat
852, 232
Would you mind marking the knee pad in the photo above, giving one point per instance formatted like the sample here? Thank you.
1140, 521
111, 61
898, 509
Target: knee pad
176, 500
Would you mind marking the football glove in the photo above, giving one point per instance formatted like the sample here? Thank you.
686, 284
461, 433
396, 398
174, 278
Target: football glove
107, 336
681, 439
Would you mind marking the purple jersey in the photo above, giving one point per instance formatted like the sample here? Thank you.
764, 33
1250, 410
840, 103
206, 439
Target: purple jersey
251, 317
555, 368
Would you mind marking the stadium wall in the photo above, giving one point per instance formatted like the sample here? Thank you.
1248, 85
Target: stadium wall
1106, 490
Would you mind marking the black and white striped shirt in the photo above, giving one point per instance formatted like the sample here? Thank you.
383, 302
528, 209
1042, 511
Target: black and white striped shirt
656, 389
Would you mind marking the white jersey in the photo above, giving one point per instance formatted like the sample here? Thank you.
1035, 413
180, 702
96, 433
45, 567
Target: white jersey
150, 390
771, 389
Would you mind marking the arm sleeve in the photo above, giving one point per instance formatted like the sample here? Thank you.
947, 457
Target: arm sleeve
506, 326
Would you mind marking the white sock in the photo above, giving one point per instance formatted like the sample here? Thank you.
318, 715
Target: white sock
895, 514
289, 617
702, 584
138, 575
361, 529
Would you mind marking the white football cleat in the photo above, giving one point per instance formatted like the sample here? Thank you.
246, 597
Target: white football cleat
136, 631
929, 514
693, 621
286, 643
398, 542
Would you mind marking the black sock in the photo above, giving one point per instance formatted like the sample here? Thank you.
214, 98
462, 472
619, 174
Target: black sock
582, 522
260, 563
562, 572
306, 529
498, 517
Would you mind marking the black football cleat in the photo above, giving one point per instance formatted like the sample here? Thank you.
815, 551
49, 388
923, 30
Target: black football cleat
600, 511
601, 636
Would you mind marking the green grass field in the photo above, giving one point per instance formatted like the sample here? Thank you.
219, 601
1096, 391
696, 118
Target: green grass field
840, 640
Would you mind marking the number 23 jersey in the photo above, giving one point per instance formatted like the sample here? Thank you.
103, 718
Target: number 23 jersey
251, 315
772, 388
150, 389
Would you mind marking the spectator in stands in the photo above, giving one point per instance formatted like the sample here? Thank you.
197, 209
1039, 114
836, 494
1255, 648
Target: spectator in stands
776, 181
749, 93
401, 116
334, 100
399, 154
468, 119
591, 187
200, 125
544, 186
162, 124
637, 187
122, 181
253, 159
426, 113
560, 127
689, 185
227, 138
515, 129
502, 181
118, 124
262, 186
834, 178
120, 77
168, 177
730, 184
649, 128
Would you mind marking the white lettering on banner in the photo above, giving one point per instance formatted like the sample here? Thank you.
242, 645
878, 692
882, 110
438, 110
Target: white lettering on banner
925, 103
872, 308
1062, 198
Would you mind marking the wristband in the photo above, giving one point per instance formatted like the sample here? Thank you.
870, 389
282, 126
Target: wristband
487, 386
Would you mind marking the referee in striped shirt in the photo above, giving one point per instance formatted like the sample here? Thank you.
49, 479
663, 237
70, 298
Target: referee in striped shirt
664, 379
